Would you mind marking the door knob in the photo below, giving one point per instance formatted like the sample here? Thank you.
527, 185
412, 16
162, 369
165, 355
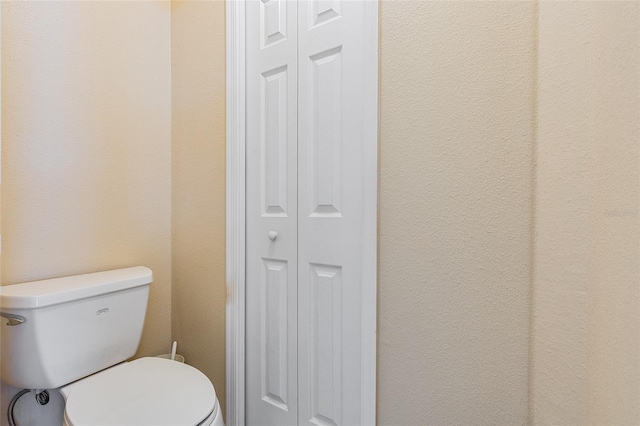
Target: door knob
273, 235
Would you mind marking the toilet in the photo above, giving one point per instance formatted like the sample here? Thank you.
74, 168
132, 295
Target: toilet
75, 334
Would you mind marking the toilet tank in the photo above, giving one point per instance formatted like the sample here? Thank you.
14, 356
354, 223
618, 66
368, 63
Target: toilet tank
68, 328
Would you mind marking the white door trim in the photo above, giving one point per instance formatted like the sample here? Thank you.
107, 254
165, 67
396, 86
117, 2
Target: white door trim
235, 251
370, 220
236, 217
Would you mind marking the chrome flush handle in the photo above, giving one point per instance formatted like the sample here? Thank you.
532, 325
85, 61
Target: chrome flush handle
13, 318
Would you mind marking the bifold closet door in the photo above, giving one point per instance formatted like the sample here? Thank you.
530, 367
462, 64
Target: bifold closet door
311, 133
272, 207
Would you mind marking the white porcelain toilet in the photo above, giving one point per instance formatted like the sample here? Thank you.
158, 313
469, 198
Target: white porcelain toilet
74, 334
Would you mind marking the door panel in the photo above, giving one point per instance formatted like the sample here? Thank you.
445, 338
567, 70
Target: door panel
271, 280
324, 137
325, 343
333, 146
273, 345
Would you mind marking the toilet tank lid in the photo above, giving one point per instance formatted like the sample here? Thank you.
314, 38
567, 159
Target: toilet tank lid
38, 294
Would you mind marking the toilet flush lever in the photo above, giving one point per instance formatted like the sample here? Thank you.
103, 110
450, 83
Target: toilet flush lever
13, 318
273, 235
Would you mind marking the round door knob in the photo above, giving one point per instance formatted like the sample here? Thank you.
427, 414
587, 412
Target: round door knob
273, 235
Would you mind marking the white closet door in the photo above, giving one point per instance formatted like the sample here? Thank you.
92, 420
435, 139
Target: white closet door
337, 140
271, 280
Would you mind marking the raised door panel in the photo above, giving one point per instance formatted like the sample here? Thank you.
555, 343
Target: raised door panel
273, 21
324, 135
320, 11
274, 142
274, 311
271, 275
325, 344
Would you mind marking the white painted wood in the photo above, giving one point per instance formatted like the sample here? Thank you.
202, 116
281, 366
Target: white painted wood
337, 198
370, 214
235, 250
271, 207
335, 269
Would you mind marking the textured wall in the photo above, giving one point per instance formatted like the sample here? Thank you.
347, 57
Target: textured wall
198, 176
613, 292
559, 359
455, 216
86, 134
586, 287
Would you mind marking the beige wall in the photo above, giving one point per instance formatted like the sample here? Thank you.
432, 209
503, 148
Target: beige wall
456, 141
613, 292
198, 176
562, 193
86, 154
586, 288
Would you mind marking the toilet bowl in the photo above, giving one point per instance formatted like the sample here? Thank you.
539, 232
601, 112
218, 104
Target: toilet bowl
75, 333
144, 392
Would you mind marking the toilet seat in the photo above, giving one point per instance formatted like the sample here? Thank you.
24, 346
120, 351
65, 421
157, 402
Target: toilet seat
147, 391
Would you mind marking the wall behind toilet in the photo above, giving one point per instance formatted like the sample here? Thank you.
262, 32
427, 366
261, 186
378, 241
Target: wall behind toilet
86, 151
198, 176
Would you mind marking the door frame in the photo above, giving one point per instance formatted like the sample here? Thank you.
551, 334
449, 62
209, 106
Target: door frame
236, 214
236, 217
